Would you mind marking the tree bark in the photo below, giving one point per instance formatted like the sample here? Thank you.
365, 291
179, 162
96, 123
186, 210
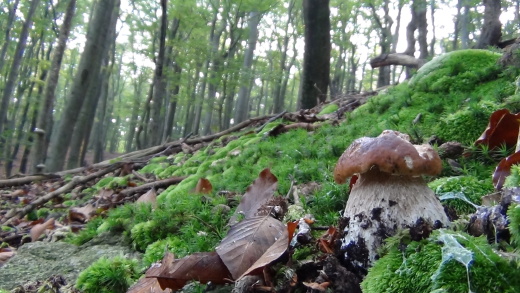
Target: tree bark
316, 58
492, 28
96, 48
15, 66
159, 92
8, 27
39, 147
242, 106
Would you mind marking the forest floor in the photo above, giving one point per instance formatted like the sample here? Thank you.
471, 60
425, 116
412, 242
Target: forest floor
89, 158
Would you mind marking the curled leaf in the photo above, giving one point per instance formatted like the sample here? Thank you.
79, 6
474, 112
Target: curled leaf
503, 169
203, 186
149, 197
502, 129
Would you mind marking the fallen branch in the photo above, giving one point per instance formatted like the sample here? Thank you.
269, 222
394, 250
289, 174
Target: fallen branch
156, 184
19, 213
27, 179
396, 59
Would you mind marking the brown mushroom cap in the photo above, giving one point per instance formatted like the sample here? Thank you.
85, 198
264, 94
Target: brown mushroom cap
392, 153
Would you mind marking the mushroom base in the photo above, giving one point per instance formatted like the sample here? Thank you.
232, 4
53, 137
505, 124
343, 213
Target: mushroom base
379, 205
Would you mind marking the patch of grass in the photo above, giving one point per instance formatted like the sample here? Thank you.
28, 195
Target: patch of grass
113, 275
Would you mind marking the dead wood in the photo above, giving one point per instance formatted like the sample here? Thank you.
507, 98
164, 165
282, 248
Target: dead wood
396, 59
19, 213
27, 179
156, 184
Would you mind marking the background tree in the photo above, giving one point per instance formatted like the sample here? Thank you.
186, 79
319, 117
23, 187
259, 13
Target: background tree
316, 57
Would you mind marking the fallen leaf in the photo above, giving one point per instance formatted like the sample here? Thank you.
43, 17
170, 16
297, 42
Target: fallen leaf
149, 197
203, 267
148, 285
270, 255
203, 186
315, 286
5, 255
502, 129
39, 229
257, 194
247, 241
82, 214
503, 169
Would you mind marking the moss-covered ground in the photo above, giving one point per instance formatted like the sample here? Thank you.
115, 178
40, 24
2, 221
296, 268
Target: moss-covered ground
451, 97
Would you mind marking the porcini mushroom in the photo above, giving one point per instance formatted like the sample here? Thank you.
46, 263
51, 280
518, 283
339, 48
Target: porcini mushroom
389, 194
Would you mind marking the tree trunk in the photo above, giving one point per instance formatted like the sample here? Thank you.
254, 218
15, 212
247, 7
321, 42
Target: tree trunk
316, 58
242, 106
96, 48
15, 66
159, 92
174, 93
8, 27
39, 148
492, 28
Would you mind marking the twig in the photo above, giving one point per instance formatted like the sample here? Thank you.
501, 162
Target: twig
270, 120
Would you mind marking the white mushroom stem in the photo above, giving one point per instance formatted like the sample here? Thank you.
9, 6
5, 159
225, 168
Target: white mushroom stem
379, 205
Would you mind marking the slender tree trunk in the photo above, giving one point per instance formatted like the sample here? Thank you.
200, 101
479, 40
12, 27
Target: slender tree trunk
316, 58
15, 66
96, 48
464, 25
492, 28
174, 93
39, 147
8, 27
242, 106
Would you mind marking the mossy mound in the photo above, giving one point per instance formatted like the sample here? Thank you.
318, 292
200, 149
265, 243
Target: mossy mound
448, 261
456, 71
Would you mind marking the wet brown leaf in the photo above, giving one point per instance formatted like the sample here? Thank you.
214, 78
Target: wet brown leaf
503, 169
257, 194
175, 273
502, 129
39, 229
247, 241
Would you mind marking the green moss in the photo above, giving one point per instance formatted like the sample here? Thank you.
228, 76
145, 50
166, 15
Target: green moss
108, 276
473, 119
456, 71
330, 108
472, 188
513, 180
86, 234
513, 214
152, 168
448, 261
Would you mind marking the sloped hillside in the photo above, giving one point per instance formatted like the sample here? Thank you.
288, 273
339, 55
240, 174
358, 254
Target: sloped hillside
199, 187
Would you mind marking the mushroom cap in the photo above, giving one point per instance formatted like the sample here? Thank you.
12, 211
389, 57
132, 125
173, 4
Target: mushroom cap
391, 152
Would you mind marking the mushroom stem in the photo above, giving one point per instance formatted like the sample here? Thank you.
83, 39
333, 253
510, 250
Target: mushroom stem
379, 205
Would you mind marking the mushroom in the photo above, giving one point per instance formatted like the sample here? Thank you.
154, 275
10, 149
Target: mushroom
389, 194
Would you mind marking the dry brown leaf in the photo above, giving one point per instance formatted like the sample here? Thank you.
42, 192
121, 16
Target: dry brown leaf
39, 229
247, 241
257, 194
82, 214
148, 285
203, 267
320, 287
149, 197
203, 186
271, 254
502, 129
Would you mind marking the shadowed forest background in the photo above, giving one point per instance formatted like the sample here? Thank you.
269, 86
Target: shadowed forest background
86, 78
